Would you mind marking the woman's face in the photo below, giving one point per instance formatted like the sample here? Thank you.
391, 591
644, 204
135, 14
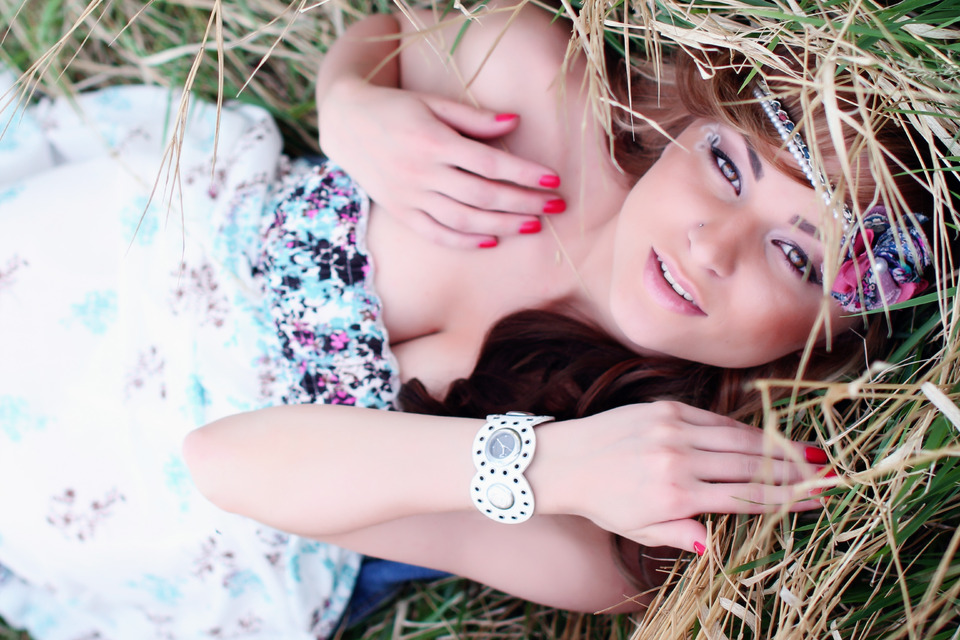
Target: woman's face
728, 266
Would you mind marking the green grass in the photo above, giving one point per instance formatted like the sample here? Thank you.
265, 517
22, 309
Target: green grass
463, 609
160, 43
6, 633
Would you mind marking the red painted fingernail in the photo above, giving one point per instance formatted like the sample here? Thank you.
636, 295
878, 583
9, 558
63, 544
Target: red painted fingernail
530, 226
505, 117
815, 456
555, 206
699, 548
818, 490
487, 244
550, 182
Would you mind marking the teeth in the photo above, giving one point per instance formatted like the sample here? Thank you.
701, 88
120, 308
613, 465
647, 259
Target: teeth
673, 283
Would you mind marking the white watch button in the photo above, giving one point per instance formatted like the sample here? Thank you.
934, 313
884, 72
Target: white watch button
500, 496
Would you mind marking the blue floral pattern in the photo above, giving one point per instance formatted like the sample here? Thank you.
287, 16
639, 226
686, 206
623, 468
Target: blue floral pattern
319, 287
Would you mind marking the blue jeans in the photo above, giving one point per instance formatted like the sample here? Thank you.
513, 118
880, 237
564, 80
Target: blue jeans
380, 580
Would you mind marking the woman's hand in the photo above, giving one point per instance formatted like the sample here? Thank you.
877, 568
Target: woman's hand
645, 471
418, 156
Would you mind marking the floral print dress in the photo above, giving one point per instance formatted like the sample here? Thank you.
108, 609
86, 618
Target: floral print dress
137, 304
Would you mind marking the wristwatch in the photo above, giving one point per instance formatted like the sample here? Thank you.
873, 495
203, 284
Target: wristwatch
502, 450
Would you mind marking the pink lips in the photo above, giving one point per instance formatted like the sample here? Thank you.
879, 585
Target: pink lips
664, 294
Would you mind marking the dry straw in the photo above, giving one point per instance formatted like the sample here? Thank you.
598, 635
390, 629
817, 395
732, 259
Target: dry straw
882, 558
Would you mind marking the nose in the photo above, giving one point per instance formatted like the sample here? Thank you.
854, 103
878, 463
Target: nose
716, 245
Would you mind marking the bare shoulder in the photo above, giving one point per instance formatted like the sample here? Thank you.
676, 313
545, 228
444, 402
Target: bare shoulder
513, 45
516, 59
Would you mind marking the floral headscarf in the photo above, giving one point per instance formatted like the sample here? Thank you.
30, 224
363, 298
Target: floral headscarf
890, 272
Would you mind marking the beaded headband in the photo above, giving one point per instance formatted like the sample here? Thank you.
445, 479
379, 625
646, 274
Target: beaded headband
884, 262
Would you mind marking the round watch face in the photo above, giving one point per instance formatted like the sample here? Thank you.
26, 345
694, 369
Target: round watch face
503, 446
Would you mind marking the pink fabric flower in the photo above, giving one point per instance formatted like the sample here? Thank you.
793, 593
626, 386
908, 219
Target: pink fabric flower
889, 272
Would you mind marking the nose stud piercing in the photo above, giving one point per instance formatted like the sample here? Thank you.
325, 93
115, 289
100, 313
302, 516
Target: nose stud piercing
700, 225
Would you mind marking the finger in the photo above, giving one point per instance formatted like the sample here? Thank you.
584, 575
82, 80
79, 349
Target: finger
679, 534
470, 220
496, 164
728, 435
428, 227
751, 440
742, 439
711, 466
750, 498
475, 122
697, 416
480, 193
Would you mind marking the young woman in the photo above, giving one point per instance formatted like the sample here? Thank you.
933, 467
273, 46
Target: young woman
712, 257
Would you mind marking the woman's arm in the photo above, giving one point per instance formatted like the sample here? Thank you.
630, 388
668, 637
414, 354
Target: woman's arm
417, 153
321, 470
367, 53
355, 477
396, 485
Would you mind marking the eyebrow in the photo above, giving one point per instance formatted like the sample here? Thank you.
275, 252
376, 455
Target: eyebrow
805, 226
754, 162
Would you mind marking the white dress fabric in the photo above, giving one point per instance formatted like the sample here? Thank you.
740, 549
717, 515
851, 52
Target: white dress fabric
129, 315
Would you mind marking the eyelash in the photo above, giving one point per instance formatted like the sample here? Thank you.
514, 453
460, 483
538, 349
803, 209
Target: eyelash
727, 168
798, 261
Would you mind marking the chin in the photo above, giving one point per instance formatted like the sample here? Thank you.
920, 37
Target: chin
738, 357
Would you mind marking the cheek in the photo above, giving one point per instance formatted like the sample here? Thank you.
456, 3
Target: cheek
788, 330
774, 327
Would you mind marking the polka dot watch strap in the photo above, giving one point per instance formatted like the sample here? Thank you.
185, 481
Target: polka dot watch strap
502, 451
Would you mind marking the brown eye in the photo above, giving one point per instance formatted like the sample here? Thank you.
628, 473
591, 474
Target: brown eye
798, 261
729, 172
727, 169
